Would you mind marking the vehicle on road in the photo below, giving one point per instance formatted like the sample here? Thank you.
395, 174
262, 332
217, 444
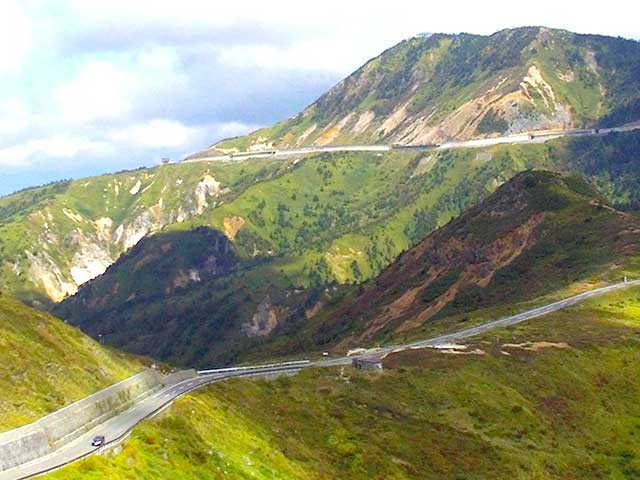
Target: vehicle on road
98, 441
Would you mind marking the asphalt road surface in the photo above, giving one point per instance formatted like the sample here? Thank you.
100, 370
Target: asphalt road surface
118, 427
533, 137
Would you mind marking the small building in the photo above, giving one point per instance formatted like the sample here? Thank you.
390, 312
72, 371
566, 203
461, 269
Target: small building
367, 363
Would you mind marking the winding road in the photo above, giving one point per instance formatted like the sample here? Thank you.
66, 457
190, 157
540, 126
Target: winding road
531, 137
118, 427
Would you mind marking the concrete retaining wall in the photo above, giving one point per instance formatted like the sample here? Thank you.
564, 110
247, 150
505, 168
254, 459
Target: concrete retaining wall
32, 444
85, 414
26, 443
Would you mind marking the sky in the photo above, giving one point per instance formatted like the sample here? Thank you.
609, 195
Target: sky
91, 86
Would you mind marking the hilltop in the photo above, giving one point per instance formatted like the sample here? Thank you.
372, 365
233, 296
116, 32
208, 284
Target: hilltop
434, 88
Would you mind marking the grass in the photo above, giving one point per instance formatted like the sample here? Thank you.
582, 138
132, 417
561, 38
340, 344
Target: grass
553, 413
46, 364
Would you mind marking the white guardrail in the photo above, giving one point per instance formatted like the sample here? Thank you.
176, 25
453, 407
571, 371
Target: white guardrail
298, 363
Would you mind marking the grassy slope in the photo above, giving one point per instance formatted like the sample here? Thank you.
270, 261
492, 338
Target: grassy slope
317, 218
45, 364
580, 244
35, 220
333, 210
556, 413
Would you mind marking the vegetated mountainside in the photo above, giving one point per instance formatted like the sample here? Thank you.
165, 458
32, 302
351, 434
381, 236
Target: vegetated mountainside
538, 233
176, 259
323, 219
439, 87
57, 237
45, 364
552, 398
186, 297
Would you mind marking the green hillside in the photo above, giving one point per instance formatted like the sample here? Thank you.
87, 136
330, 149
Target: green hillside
45, 364
536, 235
555, 231
438, 87
57, 237
552, 398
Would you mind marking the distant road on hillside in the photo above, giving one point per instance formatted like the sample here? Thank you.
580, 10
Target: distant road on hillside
117, 428
533, 137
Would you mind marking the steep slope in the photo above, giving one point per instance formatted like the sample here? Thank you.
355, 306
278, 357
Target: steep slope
536, 234
438, 87
551, 230
322, 218
57, 237
45, 364
553, 398
172, 260
187, 298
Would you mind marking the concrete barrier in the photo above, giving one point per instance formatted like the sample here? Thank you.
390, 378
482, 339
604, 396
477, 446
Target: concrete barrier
30, 445
32, 441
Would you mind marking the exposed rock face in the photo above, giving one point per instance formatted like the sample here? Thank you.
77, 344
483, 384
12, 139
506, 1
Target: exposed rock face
136, 188
208, 187
44, 271
266, 318
232, 225
89, 262
66, 261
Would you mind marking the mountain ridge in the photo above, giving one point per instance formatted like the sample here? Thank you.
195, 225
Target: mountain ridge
523, 230
460, 86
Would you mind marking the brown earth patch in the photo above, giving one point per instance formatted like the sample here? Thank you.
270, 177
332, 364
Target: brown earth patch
232, 225
535, 346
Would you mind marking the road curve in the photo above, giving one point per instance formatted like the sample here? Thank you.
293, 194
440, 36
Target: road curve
477, 330
118, 427
532, 137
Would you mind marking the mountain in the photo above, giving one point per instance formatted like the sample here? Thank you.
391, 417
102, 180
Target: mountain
550, 229
57, 237
297, 227
434, 88
552, 398
46, 364
536, 235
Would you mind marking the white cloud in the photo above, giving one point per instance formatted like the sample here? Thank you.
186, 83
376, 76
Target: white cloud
100, 90
55, 147
106, 83
15, 37
14, 117
156, 133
